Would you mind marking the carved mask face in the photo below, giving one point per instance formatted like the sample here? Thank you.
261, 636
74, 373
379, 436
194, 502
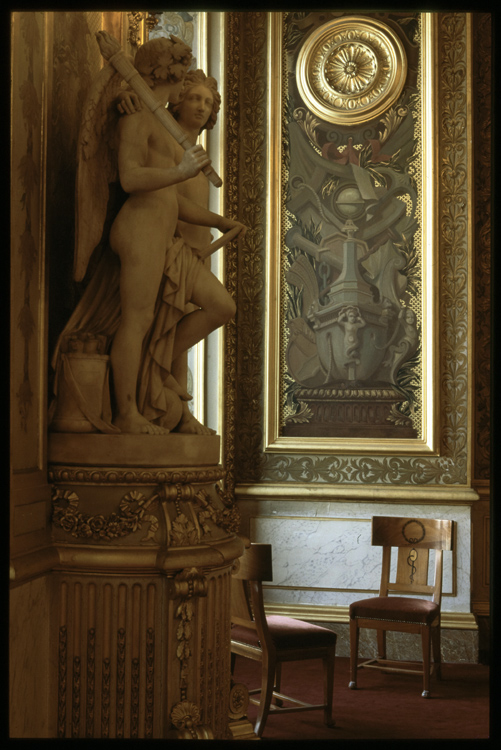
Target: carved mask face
196, 107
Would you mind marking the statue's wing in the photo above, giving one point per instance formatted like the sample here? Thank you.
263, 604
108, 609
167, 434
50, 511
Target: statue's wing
96, 166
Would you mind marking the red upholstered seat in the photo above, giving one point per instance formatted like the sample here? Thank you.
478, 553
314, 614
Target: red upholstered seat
274, 639
396, 609
287, 633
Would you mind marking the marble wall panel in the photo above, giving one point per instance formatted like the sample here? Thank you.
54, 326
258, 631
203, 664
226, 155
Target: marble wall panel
322, 553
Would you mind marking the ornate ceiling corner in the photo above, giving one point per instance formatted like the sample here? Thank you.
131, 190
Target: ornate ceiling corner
351, 70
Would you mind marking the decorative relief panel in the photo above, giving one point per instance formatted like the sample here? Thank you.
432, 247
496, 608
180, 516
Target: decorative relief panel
355, 425
351, 69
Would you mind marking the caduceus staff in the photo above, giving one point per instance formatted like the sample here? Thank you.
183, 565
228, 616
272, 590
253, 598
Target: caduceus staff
113, 53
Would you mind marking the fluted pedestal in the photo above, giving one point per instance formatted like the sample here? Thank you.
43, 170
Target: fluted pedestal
146, 543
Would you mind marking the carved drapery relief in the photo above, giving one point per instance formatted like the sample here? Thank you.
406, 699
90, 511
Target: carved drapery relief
244, 348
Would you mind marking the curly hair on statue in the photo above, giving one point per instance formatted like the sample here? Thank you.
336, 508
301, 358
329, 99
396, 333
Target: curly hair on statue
163, 59
198, 78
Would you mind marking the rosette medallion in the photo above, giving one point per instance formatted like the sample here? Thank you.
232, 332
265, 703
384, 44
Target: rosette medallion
350, 70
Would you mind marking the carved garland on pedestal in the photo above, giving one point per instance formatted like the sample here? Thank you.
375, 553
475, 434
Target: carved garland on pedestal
135, 510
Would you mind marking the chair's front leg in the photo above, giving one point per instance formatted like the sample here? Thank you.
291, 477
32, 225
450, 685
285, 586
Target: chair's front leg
354, 635
426, 645
328, 663
437, 654
268, 667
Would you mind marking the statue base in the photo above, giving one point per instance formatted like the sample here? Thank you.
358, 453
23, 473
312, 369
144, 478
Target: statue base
161, 451
350, 413
146, 541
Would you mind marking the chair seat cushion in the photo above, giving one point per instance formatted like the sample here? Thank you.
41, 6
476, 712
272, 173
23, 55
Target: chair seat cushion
287, 633
395, 609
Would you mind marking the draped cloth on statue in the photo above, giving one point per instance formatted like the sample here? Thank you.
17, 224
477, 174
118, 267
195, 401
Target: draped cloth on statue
98, 313
180, 273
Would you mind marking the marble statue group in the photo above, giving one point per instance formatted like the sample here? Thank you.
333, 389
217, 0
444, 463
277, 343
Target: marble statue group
142, 231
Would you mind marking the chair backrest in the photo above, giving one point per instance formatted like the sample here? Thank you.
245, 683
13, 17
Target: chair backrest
247, 606
414, 537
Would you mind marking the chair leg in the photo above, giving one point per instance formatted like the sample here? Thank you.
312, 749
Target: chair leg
278, 682
426, 645
381, 644
437, 654
354, 635
328, 663
268, 667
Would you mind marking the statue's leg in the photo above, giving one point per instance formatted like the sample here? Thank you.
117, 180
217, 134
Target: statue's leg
216, 307
139, 283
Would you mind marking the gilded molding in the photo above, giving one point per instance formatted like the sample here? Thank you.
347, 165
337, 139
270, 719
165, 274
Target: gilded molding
245, 185
482, 93
453, 221
341, 614
129, 476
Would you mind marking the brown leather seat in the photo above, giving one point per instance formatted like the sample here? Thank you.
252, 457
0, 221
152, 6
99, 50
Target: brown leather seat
413, 538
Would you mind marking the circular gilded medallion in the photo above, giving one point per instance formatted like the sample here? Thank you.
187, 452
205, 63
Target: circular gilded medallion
350, 70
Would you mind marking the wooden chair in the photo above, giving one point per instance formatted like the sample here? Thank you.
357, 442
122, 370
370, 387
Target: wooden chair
274, 639
413, 537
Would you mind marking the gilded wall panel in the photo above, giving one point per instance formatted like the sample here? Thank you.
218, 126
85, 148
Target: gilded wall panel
433, 377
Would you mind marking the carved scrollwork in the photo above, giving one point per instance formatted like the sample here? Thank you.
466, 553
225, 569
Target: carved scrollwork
131, 515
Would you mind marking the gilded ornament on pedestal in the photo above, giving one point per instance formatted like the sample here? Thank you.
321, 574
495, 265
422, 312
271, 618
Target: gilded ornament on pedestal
351, 70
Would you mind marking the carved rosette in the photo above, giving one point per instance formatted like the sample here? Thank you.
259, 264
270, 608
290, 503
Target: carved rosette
351, 70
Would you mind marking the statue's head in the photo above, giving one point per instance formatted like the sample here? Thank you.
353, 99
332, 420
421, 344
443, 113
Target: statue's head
195, 78
163, 60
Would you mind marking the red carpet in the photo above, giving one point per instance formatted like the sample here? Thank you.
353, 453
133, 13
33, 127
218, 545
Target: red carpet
385, 706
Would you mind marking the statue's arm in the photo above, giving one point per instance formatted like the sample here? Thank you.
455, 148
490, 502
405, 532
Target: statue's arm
194, 213
135, 176
128, 102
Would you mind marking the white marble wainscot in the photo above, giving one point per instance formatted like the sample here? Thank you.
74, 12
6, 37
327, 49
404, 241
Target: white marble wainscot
322, 552
323, 560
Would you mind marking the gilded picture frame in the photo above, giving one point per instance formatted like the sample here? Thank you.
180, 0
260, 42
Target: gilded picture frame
279, 360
